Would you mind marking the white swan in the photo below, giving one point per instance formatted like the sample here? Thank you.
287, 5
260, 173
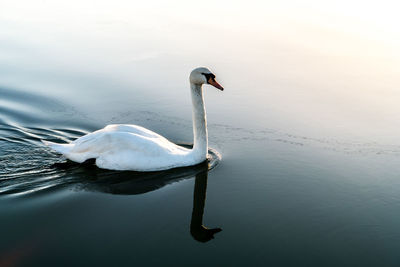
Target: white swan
132, 147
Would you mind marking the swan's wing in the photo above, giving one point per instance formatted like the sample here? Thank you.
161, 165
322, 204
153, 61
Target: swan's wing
136, 139
113, 128
126, 150
105, 140
127, 147
130, 128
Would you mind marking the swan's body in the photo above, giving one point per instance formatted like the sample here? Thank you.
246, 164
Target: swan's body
132, 147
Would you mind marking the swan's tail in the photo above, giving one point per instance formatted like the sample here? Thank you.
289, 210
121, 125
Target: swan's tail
61, 148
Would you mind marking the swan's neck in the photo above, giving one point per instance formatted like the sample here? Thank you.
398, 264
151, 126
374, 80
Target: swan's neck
200, 146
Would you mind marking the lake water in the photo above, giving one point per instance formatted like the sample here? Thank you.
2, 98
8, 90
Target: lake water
307, 129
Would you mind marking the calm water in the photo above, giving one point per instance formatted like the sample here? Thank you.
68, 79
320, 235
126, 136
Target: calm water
307, 128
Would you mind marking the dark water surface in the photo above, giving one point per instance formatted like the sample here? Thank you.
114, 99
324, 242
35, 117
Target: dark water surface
307, 128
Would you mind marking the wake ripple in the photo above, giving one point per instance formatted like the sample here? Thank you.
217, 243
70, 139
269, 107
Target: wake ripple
28, 167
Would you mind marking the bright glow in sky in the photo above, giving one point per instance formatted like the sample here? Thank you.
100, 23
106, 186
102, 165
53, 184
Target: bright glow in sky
338, 59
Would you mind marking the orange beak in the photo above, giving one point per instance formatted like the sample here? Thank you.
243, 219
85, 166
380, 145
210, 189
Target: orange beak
215, 84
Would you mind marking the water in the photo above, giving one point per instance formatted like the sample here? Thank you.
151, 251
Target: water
306, 128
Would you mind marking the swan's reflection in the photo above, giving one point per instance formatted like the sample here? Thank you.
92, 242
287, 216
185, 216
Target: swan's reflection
197, 229
139, 183
87, 177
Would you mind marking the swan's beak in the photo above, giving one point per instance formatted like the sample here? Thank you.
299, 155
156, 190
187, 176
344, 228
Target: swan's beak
215, 84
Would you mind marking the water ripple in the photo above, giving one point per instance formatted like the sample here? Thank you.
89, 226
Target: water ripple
27, 166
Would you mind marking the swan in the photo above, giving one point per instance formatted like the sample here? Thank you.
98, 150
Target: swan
135, 148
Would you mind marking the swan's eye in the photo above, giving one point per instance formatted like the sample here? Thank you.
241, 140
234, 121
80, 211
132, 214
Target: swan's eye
209, 76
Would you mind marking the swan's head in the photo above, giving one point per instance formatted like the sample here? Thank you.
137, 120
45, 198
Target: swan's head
204, 76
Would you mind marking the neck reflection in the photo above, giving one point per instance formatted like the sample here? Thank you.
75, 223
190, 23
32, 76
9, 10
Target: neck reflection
197, 229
